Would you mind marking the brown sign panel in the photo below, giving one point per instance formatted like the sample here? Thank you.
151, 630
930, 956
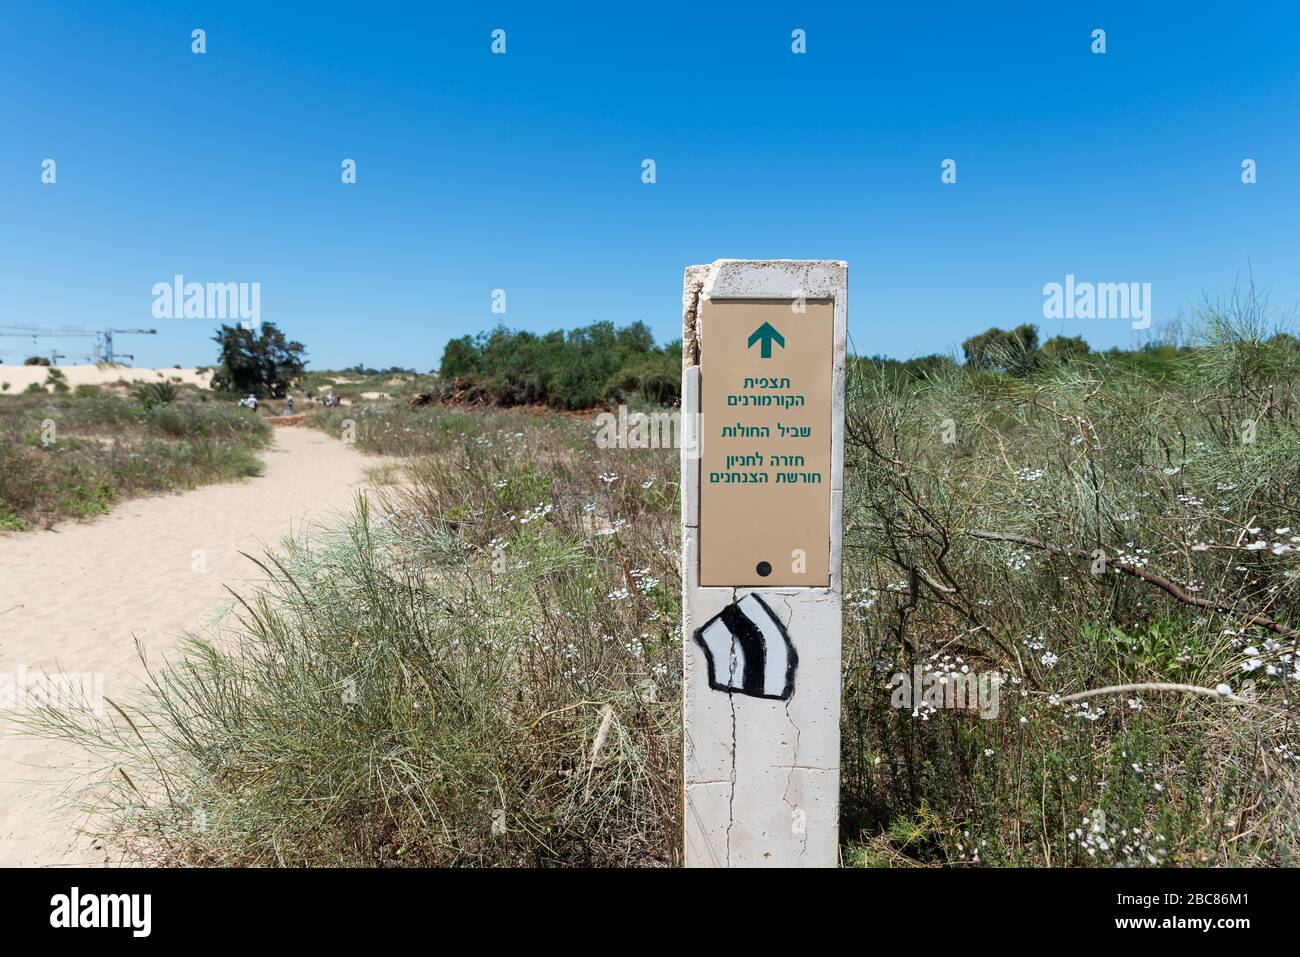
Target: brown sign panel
765, 442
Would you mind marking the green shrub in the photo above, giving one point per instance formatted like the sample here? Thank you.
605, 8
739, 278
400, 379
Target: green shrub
9, 521
56, 380
153, 394
73, 456
575, 370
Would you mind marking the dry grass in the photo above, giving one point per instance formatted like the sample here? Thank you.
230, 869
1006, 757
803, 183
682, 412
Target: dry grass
68, 455
485, 670
1099, 524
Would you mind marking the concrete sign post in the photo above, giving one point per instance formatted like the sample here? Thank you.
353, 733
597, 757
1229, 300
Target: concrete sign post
763, 346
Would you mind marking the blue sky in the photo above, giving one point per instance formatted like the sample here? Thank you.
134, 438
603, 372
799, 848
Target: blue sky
522, 172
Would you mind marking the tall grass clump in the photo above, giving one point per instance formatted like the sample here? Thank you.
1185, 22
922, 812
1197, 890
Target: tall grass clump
73, 455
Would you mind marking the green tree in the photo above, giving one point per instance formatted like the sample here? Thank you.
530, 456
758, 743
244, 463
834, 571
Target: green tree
459, 358
263, 362
1063, 349
1014, 351
578, 369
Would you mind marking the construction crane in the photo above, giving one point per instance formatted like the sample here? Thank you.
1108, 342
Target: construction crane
36, 332
106, 349
63, 332
104, 337
53, 355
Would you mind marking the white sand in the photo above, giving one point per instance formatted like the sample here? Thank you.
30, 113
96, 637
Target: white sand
20, 377
73, 599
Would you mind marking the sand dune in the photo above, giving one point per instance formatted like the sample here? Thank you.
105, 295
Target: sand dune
73, 600
20, 377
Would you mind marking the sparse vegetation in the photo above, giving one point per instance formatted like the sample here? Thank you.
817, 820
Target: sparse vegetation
357, 389
56, 381
153, 394
482, 668
71, 455
1028, 526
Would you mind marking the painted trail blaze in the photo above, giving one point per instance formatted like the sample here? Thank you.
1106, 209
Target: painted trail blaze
749, 651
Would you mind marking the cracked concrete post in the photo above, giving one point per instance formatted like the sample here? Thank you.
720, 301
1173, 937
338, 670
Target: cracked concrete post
763, 347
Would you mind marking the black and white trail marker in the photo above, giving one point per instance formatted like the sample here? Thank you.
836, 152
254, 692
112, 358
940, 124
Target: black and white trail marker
748, 651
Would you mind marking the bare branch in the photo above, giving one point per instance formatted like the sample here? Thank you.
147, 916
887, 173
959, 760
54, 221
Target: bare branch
1162, 686
1248, 617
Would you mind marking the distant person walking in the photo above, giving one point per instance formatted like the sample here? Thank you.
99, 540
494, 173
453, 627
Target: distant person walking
250, 402
288, 405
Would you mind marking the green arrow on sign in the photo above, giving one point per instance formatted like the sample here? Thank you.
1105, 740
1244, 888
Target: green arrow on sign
766, 335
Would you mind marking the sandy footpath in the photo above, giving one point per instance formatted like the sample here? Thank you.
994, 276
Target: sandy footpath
74, 598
